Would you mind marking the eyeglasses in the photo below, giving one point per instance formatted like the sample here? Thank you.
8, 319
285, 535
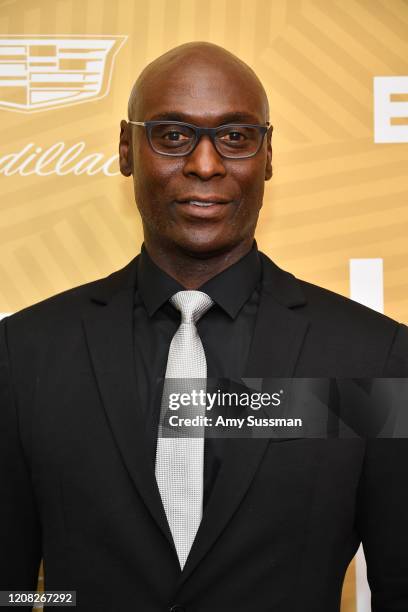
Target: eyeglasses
176, 139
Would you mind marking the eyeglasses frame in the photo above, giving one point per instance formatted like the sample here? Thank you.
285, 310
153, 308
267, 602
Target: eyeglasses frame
202, 131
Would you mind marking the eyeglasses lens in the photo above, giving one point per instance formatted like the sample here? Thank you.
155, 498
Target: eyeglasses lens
172, 139
238, 141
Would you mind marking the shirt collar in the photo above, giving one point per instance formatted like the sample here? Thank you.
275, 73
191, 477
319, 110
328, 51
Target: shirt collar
230, 289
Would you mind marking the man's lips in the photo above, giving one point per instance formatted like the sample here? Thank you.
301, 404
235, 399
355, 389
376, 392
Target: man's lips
203, 208
203, 202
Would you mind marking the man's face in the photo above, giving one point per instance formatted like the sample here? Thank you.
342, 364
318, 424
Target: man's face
206, 95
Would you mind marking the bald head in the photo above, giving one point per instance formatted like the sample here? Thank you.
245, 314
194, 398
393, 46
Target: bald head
187, 67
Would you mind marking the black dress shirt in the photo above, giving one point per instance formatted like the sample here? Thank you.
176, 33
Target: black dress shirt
225, 330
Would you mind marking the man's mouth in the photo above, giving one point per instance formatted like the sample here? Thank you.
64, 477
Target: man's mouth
210, 200
202, 203
210, 207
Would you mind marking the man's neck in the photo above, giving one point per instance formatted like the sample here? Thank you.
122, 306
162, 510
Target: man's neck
190, 270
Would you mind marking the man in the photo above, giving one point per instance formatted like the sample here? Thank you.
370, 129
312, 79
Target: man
88, 484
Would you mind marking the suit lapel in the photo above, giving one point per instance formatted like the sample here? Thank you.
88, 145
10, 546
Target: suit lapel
109, 334
276, 345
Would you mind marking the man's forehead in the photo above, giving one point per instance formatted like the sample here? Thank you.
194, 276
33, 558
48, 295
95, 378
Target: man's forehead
193, 88
200, 93
194, 75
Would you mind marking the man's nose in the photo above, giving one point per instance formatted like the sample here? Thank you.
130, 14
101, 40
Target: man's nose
205, 161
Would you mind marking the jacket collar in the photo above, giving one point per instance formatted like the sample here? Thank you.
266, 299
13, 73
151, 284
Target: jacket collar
282, 286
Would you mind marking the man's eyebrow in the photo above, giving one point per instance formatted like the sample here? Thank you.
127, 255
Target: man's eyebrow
240, 117
171, 116
234, 117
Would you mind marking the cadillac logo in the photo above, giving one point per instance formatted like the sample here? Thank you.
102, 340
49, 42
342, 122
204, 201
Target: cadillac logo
44, 72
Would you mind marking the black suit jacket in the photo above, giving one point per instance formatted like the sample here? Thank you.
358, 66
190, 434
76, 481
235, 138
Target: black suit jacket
285, 516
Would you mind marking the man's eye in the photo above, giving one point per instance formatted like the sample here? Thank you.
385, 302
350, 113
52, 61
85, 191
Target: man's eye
234, 136
174, 136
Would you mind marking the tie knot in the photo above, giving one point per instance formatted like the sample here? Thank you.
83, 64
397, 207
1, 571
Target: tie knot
192, 305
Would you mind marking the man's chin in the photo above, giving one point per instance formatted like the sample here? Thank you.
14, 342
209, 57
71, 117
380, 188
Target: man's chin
205, 246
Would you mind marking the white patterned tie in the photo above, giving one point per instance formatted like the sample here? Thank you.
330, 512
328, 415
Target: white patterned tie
180, 461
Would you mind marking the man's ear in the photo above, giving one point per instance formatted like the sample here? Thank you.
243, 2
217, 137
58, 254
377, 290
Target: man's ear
125, 149
268, 165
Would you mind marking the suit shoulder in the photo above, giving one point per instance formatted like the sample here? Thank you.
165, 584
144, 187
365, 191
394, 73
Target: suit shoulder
323, 306
333, 307
352, 338
343, 335
66, 304
69, 305
354, 335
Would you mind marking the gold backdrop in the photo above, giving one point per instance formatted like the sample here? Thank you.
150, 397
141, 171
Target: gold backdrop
335, 194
